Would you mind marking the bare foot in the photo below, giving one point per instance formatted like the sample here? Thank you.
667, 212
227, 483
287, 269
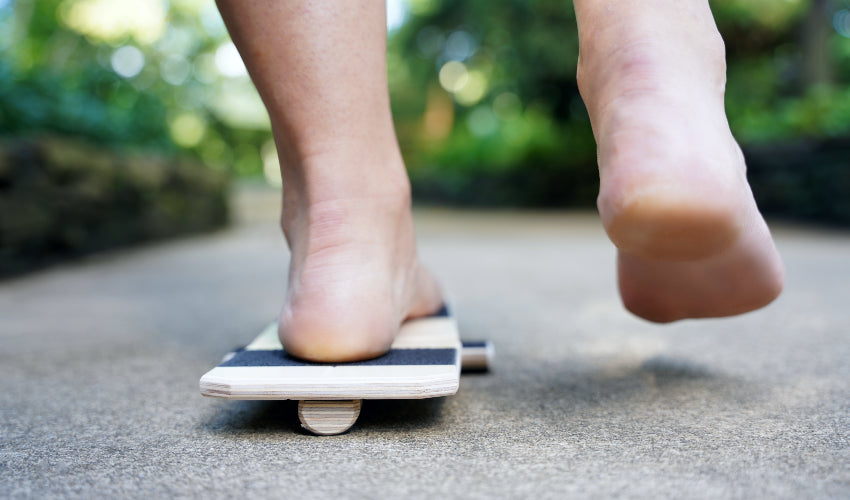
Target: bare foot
354, 276
674, 197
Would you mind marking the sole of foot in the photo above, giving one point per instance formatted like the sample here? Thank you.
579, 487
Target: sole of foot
673, 197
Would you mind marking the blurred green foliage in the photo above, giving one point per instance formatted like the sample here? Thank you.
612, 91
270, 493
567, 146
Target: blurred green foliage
483, 91
788, 80
60, 74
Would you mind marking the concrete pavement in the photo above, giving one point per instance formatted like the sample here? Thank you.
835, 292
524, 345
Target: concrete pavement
101, 360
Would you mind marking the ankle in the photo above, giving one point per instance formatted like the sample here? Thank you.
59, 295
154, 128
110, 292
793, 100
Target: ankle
348, 169
635, 55
330, 194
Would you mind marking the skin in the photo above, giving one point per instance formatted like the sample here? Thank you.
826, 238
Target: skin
673, 194
354, 276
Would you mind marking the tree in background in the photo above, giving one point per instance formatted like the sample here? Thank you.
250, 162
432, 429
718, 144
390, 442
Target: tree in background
488, 107
483, 91
138, 73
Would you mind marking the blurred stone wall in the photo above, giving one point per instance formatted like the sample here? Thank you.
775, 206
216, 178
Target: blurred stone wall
804, 180
60, 199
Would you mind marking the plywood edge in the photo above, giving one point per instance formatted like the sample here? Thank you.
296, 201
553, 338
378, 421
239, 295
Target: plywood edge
318, 389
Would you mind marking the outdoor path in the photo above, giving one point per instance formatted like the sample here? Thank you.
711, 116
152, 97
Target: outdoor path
101, 361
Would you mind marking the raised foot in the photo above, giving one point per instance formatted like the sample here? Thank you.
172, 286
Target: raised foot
674, 197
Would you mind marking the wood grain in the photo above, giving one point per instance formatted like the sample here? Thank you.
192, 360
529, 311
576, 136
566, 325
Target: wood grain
328, 418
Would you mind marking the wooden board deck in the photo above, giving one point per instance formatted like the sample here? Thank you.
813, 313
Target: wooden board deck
423, 362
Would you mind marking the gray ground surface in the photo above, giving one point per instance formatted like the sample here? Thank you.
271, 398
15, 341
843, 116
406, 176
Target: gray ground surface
101, 360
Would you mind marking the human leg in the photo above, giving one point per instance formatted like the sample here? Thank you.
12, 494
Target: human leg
354, 276
674, 197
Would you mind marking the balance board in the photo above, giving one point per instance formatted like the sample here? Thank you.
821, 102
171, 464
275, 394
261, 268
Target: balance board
424, 362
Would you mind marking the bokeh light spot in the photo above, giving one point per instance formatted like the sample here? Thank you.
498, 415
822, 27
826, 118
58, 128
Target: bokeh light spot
473, 90
127, 61
204, 69
459, 46
111, 21
176, 40
507, 106
228, 61
482, 121
187, 129
175, 69
211, 20
841, 22
453, 76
